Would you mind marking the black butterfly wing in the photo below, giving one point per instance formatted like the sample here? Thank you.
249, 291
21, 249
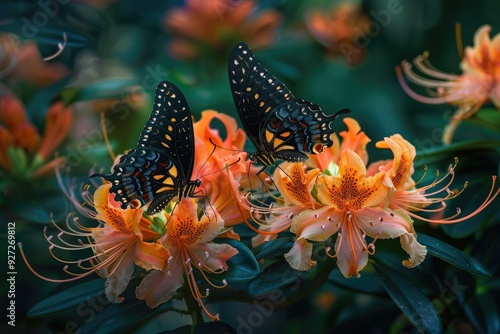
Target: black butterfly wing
279, 125
255, 91
297, 127
162, 163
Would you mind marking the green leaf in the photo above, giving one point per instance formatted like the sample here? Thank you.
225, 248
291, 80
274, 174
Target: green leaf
52, 205
70, 95
203, 328
483, 314
412, 301
276, 247
454, 256
72, 298
122, 318
488, 118
106, 88
39, 104
275, 276
243, 266
463, 148
367, 283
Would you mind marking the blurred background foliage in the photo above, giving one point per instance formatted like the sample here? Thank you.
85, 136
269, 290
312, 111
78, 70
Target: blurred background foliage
117, 51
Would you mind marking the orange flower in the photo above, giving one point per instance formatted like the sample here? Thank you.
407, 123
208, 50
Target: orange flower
57, 125
229, 149
23, 61
26, 136
31, 67
125, 238
5, 143
223, 167
338, 29
189, 239
216, 24
478, 83
22, 149
412, 198
295, 186
12, 111
353, 207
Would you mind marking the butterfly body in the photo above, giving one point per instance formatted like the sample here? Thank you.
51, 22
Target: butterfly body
160, 167
280, 126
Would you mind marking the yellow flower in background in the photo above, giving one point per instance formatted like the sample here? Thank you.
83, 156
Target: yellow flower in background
478, 83
215, 24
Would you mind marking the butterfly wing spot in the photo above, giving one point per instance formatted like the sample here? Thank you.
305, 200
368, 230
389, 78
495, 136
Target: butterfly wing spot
173, 171
248, 89
135, 204
256, 96
167, 137
318, 148
173, 120
261, 104
158, 177
269, 136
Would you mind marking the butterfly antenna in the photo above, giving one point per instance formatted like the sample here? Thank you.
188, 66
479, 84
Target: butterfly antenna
225, 148
209, 156
106, 138
209, 204
220, 170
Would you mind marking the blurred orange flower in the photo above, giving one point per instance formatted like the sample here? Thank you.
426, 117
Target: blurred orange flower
478, 83
217, 24
337, 30
21, 144
22, 61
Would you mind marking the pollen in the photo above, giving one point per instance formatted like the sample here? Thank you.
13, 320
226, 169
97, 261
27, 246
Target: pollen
186, 232
296, 187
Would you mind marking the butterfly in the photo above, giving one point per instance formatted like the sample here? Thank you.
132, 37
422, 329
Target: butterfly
280, 126
160, 167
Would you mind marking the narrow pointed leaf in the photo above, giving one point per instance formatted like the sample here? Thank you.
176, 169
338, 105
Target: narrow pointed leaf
453, 255
412, 301
70, 299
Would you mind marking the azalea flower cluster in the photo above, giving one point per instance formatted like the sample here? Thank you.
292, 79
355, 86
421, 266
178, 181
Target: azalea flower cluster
172, 244
336, 192
479, 83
